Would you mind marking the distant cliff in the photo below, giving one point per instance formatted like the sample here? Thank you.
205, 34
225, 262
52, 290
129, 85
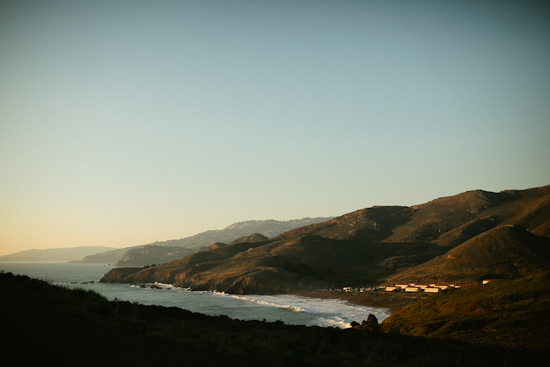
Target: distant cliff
107, 257
55, 254
146, 254
152, 254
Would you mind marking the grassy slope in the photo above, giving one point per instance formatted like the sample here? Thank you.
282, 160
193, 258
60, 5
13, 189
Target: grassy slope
364, 247
499, 252
511, 312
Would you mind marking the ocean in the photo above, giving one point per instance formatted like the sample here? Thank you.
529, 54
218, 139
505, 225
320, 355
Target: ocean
290, 309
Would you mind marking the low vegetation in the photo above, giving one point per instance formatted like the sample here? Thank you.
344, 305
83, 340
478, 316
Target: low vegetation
505, 312
276, 342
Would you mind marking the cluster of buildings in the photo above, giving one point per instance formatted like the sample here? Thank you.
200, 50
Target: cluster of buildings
412, 287
431, 287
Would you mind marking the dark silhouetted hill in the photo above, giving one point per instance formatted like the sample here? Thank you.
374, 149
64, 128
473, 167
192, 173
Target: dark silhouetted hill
77, 327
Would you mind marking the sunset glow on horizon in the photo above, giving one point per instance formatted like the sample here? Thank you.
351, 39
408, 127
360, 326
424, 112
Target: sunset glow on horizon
128, 122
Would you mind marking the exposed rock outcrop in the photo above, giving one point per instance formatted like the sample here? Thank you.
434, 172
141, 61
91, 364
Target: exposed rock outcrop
215, 246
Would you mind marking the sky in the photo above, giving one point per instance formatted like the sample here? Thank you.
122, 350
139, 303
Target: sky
128, 122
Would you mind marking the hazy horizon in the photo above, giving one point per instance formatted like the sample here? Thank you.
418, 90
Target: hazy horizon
128, 122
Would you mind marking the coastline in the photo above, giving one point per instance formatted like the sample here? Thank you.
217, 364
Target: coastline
378, 299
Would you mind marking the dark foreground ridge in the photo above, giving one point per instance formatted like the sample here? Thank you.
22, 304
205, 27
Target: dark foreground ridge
43, 323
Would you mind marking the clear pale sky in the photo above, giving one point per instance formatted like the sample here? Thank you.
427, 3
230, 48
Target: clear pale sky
127, 122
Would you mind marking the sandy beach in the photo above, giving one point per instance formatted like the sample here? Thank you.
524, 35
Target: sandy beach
379, 299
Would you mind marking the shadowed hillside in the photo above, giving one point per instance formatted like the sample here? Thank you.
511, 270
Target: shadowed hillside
500, 252
375, 244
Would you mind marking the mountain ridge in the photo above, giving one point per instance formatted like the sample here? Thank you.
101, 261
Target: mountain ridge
368, 246
143, 254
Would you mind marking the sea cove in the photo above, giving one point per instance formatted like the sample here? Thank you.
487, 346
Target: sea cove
291, 309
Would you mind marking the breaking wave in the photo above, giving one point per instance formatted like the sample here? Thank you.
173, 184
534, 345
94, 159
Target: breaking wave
326, 312
290, 309
269, 304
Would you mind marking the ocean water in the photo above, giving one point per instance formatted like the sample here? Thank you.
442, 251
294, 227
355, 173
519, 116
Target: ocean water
293, 310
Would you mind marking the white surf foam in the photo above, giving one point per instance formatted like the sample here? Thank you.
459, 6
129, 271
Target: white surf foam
263, 302
329, 312
324, 312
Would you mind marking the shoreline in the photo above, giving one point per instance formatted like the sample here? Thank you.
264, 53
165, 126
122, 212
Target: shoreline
393, 302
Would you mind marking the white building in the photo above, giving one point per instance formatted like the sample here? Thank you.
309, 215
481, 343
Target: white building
431, 289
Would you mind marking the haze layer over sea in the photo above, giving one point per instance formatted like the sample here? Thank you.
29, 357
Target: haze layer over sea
293, 310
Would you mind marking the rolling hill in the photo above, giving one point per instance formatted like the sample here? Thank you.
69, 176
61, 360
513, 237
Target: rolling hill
164, 251
497, 253
468, 231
